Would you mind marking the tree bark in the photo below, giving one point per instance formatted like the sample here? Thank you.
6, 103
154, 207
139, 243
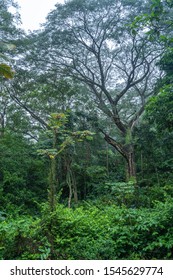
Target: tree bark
52, 185
131, 164
2, 124
75, 192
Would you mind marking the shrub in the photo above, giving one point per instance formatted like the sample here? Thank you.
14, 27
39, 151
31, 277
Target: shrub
91, 232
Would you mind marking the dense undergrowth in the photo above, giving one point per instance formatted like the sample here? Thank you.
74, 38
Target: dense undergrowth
93, 230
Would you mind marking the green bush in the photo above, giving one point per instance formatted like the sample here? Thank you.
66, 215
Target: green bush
90, 232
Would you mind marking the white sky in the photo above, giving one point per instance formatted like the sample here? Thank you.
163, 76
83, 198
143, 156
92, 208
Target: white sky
33, 12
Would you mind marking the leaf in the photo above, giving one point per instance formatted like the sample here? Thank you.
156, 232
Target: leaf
6, 71
51, 156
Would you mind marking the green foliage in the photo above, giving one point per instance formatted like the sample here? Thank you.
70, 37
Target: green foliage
91, 232
22, 174
6, 71
123, 192
154, 142
63, 138
7, 31
13, 232
109, 218
61, 135
159, 109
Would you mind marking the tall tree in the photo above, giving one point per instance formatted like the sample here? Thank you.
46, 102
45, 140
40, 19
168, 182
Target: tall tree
91, 41
8, 35
8, 29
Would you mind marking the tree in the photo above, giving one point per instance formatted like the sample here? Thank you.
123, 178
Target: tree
91, 41
9, 34
62, 139
157, 25
23, 174
8, 29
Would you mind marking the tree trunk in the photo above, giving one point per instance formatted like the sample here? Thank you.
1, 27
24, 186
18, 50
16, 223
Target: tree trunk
69, 183
2, 124
75, 190
52, 184
127, 151
131, 164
